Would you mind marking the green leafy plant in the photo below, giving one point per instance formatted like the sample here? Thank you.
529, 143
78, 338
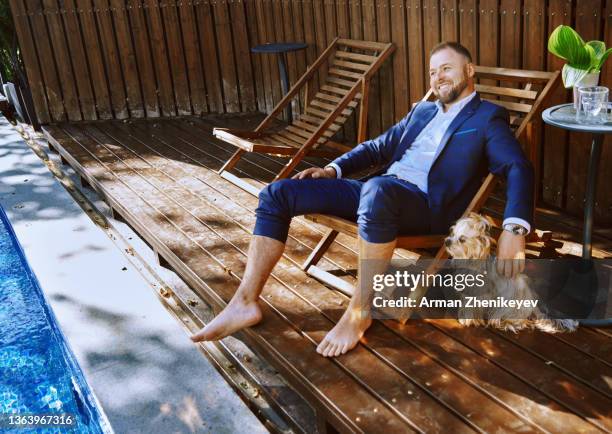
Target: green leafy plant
582, 57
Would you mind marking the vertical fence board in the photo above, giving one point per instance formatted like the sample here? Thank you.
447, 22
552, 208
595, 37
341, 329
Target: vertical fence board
62, 60
310, 39
254, 39
369, 34
79, 59
30, 59
110, 56
399, 35
93, 49
195, 71
209, 56
489, 36
143, 59
127, 59
243, 57
45, 55
589, 27
415, 50
319, 30
468, 26
180, 81
385, 74
449, 20
555, 143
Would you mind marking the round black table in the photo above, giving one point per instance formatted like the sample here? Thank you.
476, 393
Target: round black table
564, 116
281, 48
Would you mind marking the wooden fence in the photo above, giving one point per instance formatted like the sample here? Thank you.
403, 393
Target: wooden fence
103, 59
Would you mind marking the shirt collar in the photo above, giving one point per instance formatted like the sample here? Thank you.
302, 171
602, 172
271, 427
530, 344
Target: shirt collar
456, 108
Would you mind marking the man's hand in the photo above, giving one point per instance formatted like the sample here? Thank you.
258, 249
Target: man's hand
510, 254
316, 173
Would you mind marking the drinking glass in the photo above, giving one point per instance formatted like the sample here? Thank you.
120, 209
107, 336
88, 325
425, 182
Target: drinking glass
592, 108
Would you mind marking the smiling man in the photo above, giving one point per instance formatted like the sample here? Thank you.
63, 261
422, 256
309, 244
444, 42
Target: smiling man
433, 162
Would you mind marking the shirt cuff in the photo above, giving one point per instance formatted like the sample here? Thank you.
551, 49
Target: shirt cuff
336, 168
517, 221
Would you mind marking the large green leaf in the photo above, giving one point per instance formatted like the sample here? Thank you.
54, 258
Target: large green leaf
567, 44
572, 75
603, 59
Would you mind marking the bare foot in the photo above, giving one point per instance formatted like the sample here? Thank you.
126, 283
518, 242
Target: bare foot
345, 335
236, 316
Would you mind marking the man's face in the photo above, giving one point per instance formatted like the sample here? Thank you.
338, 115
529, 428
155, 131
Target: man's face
449, 75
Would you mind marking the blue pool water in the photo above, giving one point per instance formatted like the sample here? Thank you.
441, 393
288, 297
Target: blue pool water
38, 372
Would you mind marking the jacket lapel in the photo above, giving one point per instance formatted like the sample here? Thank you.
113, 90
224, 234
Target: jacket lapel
411, 133
463, 115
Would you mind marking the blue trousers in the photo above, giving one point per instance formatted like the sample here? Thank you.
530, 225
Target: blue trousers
383, 207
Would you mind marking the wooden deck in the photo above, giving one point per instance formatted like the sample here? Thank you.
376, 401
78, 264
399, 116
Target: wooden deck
425, 376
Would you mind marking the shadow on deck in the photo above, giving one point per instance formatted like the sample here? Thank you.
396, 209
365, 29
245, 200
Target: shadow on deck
433, 375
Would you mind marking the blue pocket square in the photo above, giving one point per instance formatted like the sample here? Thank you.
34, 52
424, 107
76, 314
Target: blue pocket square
471, 130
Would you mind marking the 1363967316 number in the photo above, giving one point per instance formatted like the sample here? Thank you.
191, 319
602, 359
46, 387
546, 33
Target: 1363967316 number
33, 420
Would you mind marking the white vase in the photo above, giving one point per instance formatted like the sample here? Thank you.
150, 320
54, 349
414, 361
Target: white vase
590, 79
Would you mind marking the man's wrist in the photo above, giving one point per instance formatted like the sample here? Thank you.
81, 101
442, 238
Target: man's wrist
337, 171
331, 170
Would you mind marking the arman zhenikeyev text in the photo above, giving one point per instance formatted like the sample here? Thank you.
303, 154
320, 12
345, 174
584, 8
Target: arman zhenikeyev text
466, 302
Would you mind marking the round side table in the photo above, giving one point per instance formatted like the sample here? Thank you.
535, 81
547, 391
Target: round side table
564, 116
281, 48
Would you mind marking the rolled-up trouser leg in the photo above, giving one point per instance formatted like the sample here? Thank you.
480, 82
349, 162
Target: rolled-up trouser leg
286, 198
389, 207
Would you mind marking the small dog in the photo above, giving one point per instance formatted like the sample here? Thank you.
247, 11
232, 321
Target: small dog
470, 239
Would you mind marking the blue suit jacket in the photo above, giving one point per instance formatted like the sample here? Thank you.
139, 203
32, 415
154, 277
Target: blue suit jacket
478, 141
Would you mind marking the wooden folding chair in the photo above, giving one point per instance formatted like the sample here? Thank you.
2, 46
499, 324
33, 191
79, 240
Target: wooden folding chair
524, 104
348, 66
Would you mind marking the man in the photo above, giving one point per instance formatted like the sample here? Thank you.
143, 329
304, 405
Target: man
434, 161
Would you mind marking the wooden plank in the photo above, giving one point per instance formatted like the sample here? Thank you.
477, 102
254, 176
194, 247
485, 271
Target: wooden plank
488, 25
176, 58
418, 83
257, 61
399, 35
63, 60
431, 32
79, 59
127, 59
510, 36
511, 106
580, 144
385, 73
449, 20
374, 126
320, 33
30, 60
192, 52
350, 65
243, 57
209, 55
160, 58
45, 56
142, 51
311, 50
506, 91
110, 55
468, 27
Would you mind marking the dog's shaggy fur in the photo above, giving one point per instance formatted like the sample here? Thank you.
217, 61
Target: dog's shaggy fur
470, 239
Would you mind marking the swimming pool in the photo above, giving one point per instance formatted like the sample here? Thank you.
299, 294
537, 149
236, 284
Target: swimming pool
39, 375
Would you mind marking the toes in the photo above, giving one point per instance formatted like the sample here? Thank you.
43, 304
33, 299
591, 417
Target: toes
199, 336
338, 350
330, 350
322, 346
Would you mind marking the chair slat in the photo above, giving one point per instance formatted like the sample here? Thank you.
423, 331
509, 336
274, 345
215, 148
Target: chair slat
329, 107
350, 65
512, 106
364, 45
506, 91
355, 56
340, 81
346, 74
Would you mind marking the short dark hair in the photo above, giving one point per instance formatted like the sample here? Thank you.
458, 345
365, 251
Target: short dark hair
455, 46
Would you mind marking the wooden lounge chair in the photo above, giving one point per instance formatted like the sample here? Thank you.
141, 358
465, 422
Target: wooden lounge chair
524, 104
348, 66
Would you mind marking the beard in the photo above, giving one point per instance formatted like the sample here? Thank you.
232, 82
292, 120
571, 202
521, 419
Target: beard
451, 95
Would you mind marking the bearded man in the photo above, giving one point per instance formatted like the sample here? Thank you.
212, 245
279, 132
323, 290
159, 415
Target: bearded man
433, 163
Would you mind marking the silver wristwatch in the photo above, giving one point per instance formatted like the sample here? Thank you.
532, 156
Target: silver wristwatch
516, 229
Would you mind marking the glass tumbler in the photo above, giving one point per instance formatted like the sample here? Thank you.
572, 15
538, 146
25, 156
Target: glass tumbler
592, 108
